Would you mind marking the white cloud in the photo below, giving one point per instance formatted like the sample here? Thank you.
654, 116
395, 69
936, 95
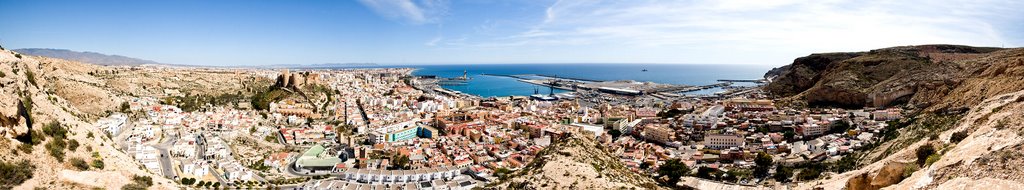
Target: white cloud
412, 11
778, 30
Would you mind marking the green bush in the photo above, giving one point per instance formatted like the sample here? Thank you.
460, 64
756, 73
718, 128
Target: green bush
923, 153
959, 136
25, 147
782, 174
73, 145
144, 180
37, 138
134, 186
271, 138
55, 130
810, 173
15, 173
79, 164
31, 77
97, 163
932, 159
56, 149
909, 170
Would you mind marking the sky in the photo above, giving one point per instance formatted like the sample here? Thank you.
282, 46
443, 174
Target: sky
272, 32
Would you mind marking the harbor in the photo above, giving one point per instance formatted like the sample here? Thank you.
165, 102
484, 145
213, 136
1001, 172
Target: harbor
623, 87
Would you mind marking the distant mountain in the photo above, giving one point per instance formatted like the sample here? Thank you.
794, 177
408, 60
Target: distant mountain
87, 57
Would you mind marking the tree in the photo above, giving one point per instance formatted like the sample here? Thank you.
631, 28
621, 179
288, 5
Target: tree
502, 172
673, 169
706, 172
788, 135
847, 163
782, 173
840, 126
401, 161
615, 133
736, 174
809, 173
763, 163
645, 165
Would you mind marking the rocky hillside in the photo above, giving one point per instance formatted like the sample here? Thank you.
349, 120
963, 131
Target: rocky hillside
968, 100
576, 162
918, 75
85, 57
982, 150
49, 142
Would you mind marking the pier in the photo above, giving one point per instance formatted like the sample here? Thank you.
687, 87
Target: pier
569, 78
681, 89
744, 80
503, 75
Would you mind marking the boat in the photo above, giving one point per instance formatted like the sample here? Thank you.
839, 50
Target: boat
645, 70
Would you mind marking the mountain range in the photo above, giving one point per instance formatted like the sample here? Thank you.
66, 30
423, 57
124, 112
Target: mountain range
86, 57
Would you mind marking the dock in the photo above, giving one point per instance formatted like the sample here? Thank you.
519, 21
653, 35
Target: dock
682, 89
744, 80
568, 78
504, 75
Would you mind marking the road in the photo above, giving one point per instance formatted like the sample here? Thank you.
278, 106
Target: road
220, 178
165, 157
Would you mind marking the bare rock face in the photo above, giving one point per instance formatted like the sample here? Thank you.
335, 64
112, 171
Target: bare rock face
859, 182
890, 174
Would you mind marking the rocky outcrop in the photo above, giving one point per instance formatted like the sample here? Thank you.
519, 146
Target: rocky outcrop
918, 75
891, 173
16, 88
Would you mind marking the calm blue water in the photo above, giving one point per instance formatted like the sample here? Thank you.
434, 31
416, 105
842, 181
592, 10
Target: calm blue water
488, 86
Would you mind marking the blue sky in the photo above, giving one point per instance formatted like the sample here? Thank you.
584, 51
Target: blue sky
500, 31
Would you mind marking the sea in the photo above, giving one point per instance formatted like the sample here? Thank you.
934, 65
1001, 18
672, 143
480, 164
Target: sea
492, 86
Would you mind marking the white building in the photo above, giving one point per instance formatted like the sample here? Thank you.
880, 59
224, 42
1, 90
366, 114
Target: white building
812, 129
723, 141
